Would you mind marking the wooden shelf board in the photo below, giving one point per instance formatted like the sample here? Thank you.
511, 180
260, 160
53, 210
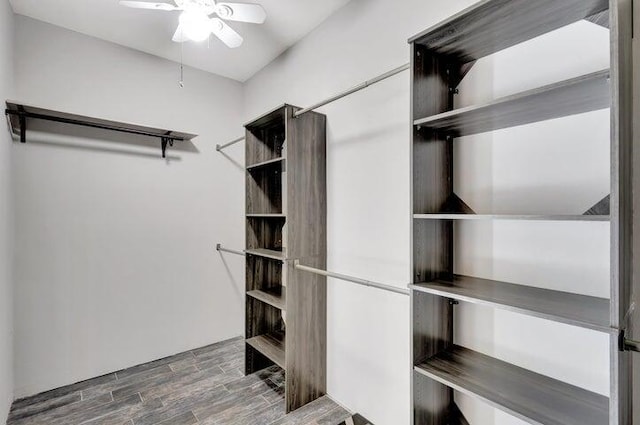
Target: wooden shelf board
570, 97
493, 25
573, 309
276, 114
534, 398
268, 253
92, 121
266, 163
274, 297
271, 346
250, 215
553, 217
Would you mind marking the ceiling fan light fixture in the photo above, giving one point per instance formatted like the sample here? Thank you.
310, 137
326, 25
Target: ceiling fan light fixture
196, 25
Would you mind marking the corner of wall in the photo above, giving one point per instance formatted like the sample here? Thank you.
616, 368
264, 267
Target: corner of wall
7, 34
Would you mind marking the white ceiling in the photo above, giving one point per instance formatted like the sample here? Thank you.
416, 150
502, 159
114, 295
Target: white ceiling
150, 31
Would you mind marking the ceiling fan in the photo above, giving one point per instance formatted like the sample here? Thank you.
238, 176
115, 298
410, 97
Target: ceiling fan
196, 24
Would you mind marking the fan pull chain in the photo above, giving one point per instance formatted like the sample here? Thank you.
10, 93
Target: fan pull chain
181, 82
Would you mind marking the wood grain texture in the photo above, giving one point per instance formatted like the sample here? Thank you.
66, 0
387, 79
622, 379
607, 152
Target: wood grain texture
261, 319
573, 309
433, 77
265, 163
493, 25
159, 132
264, 189
555, 217
275, 297
601, 19
286, 219
265, 233
267, 253
603, 207
575, 96
621, 202
306, 240
532, 397
272, 346
265, 139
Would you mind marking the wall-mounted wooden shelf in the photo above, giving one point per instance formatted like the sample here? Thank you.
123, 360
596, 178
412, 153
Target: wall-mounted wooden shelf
266, 163
19, 115
276, 297
272, 346
506, 217
573, 309
575, 96
493, 25
534, 398
267, 253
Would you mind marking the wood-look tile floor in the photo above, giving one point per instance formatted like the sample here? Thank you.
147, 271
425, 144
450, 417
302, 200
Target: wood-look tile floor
203, 386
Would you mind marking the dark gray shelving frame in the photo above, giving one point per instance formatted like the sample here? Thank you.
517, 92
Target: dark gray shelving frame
440, 57
286, 221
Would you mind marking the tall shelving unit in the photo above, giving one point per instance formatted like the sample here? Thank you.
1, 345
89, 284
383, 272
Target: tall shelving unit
285, 221
441, 56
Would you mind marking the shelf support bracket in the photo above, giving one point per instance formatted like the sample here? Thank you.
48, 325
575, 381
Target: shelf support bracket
165, 141
628, 344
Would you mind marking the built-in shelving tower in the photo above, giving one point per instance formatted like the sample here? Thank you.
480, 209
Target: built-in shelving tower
441, 56
286, 221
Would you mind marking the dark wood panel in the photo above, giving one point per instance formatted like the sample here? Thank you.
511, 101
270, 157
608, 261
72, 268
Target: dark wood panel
267, 253
532, 397
265, 163
264, 189
262, 273
306, 240
601, 19
275, 296
623, 51
306, 186
265, 139
603, 207
261, 319
574, 309
265, 233
271, 345
433, 78
493, 25
555, 217
575, 96
158, 132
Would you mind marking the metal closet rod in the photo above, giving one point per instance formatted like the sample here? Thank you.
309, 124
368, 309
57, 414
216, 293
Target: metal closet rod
233, 142
352, 279
219, 247
357, 88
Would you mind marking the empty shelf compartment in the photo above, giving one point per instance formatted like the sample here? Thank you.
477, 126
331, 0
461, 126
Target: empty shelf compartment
276, 297
573, 309
271, 345
586, 93
490, 26
532, 397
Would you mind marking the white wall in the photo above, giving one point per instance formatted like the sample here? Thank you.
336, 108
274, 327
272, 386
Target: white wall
115, 260
6, 228
517, 170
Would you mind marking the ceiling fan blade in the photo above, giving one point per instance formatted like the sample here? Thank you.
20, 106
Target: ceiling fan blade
225, 33
148, 5
179, 36
242, 12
